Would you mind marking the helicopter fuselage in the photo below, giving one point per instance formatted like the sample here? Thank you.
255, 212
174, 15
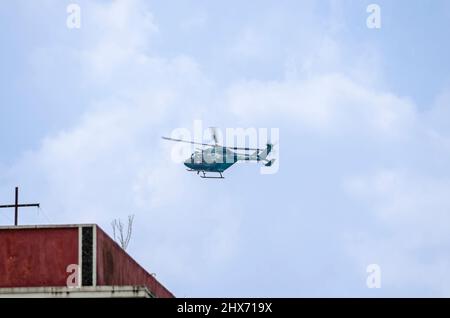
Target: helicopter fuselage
214, 159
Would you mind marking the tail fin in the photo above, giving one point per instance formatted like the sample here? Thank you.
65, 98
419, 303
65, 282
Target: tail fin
263, 155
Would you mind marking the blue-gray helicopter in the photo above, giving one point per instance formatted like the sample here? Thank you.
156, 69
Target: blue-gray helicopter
216, 158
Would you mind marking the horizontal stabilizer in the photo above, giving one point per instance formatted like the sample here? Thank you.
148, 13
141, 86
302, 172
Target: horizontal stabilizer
270, 163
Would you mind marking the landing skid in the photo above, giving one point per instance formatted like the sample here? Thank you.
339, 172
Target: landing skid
204, 176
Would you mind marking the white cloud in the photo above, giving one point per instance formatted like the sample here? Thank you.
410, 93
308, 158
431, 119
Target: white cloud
123, 32
325, 104
413, 211
406, 198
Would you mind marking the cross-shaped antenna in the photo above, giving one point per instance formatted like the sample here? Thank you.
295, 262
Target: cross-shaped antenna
16, 207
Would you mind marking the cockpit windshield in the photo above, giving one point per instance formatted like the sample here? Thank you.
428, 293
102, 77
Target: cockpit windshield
196, 156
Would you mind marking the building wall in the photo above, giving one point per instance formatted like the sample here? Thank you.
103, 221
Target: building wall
116, 268
37, 257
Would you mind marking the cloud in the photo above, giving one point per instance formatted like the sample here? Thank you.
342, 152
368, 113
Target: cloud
401, 152
413, 211
124, 31
331, 103
405, 199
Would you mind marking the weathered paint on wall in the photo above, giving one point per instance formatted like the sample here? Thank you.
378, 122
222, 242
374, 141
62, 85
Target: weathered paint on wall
115, 267
37, 257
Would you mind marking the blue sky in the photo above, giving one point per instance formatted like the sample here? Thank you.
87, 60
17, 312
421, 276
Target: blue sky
364, 144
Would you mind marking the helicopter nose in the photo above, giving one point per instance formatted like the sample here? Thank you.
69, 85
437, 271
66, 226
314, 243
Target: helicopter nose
188, 163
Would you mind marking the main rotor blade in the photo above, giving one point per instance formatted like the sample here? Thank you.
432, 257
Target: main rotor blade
204, 144
186, 141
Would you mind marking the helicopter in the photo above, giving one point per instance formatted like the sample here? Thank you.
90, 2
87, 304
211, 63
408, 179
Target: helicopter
216, 158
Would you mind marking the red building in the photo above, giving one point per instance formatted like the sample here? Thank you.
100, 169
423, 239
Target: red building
70, 261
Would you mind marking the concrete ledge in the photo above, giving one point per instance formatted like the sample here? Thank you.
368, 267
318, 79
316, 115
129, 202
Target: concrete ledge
72, 292
44, 226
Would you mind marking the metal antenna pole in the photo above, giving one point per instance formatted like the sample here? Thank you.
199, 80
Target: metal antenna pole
16, 208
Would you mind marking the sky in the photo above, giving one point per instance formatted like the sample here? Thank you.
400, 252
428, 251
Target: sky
363, 115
